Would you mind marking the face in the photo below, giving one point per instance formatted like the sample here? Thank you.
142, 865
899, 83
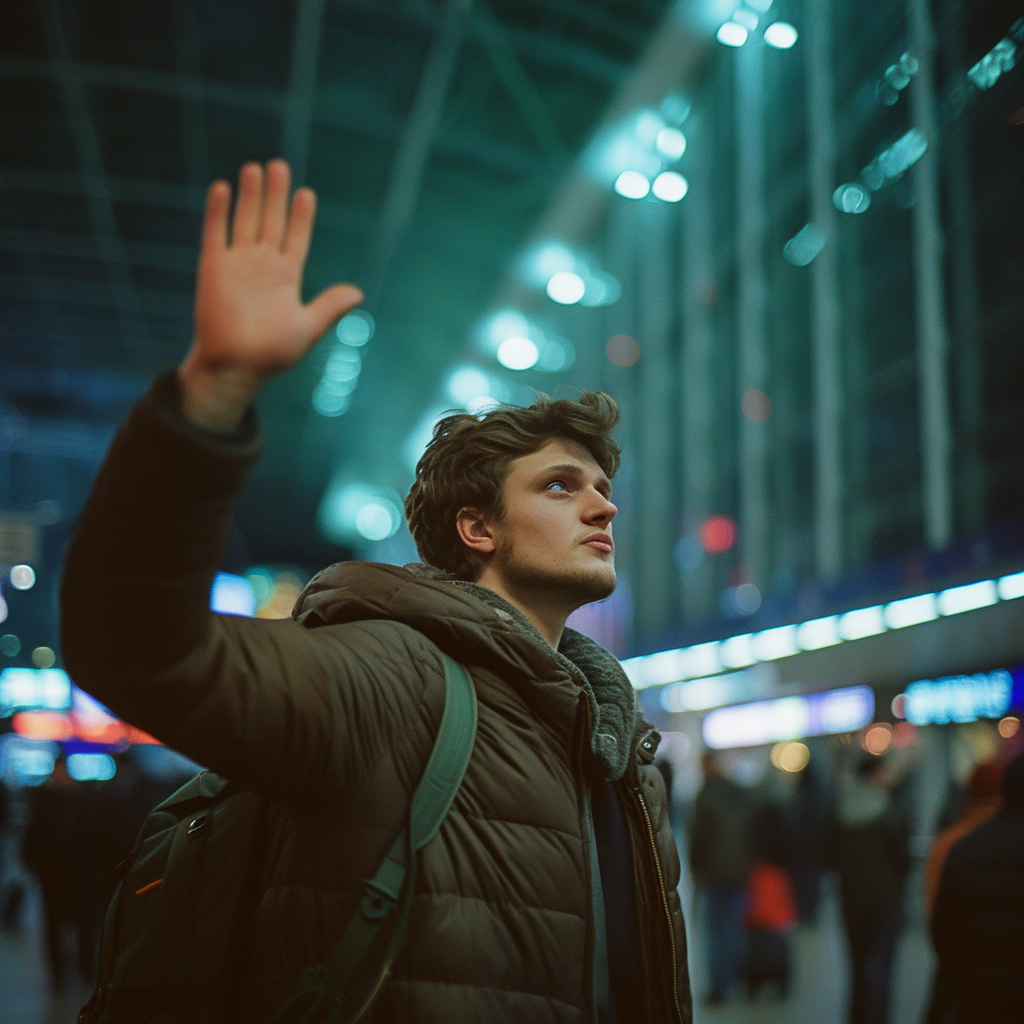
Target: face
555, 534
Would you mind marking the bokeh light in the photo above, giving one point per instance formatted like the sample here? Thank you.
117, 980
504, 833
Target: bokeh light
632, 185
731, 34
756, 405
566, 287
10, 645
780, 35
518, 353
622, 350
790, 756
43, 657
717, 534
23, 577
1009, 726
670, 187
877, 738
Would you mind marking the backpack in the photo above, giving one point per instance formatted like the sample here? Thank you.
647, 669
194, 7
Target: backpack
170, 952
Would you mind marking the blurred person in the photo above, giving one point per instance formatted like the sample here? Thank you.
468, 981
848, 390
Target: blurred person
977, 922
720, 858
867, 843
984, 797
551, 887
60, 848
809, 812
771, 913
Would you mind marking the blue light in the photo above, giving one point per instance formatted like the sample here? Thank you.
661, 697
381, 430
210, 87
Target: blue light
232, 595
789, 718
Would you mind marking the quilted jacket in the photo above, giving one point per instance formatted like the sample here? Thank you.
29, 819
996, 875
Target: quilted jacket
332, 714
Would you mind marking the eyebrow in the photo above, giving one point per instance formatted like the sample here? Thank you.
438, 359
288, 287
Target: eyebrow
576, 469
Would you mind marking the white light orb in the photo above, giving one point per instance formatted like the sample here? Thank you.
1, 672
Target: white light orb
23, 577
731, 34
632, 185
566, 287
518, 353
780, 35
467, 384
375, 521
670, 187
356, 328
671, 143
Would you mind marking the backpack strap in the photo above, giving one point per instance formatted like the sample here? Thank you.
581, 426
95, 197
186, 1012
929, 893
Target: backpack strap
321, 996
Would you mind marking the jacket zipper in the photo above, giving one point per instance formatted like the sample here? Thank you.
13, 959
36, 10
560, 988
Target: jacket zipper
587, 820
664, 904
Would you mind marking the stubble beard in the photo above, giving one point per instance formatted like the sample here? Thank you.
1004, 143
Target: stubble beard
569, 588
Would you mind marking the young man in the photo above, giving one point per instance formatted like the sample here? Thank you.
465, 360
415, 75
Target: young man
549, 893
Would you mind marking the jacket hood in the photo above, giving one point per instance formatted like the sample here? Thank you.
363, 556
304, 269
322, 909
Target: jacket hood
478, 627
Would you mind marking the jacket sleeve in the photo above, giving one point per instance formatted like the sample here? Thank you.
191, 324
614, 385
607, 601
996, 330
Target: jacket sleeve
268, 703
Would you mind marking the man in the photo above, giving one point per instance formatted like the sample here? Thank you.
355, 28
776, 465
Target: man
549, 893
720, 857
867, 842
977, 922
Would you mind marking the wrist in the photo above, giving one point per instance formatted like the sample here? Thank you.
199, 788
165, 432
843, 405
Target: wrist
215, 400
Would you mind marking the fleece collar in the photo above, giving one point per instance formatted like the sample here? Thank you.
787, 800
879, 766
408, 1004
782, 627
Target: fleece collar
614, 710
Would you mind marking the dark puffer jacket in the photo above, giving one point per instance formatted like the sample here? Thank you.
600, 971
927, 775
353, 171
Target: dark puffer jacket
978, 919
333, 716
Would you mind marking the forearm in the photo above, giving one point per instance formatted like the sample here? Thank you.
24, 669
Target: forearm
135, 593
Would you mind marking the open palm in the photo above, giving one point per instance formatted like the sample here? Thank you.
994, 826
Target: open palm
250, 320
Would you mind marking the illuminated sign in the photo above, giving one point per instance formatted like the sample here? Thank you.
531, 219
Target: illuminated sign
964, 698
789, 718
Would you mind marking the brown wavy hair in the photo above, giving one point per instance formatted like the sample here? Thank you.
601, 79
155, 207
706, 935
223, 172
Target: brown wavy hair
468, 459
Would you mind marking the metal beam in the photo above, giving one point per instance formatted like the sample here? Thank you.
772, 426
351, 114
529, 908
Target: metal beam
531, 105
332, 108
410, 162
298, 121
101, 207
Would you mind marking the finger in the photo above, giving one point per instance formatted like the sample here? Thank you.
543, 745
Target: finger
300, 224
275, 207
215, 220
247, 208
331, 305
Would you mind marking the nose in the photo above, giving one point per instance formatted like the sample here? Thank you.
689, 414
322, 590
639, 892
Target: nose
602, 511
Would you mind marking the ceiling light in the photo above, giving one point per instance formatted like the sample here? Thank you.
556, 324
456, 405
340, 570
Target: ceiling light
780, 35
670, 187
518, 353
566, 287
731, 34
671, 143
632, 185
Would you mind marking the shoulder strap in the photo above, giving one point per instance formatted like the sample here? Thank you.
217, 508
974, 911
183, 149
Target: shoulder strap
322, 994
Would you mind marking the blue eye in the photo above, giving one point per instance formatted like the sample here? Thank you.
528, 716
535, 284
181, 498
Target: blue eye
557, 483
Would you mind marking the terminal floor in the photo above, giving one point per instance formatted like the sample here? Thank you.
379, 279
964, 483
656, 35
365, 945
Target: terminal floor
818, 992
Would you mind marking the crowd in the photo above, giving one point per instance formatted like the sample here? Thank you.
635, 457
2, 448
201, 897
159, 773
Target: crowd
758, 855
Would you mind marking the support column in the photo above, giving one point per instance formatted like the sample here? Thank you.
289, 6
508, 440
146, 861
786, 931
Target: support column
697, 404
752, 364
654, 596
929, 293
828, 467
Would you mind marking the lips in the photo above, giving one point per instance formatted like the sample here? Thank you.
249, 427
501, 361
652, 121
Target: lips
600, 542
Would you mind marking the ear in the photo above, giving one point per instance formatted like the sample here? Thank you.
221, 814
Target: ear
475, 531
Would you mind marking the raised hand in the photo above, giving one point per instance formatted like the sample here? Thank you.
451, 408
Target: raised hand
250, 321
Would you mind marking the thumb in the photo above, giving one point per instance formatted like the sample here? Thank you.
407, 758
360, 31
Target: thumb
331, 305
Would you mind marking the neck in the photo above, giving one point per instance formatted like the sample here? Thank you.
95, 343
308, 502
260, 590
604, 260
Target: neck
546, 616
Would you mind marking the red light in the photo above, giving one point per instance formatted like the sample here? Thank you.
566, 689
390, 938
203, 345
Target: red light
717, 534
43, 725
622, 350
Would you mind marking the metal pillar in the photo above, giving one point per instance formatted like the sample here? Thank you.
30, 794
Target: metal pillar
655, 593
697, 405
298, 119
825, 314
929, 293
752, 368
